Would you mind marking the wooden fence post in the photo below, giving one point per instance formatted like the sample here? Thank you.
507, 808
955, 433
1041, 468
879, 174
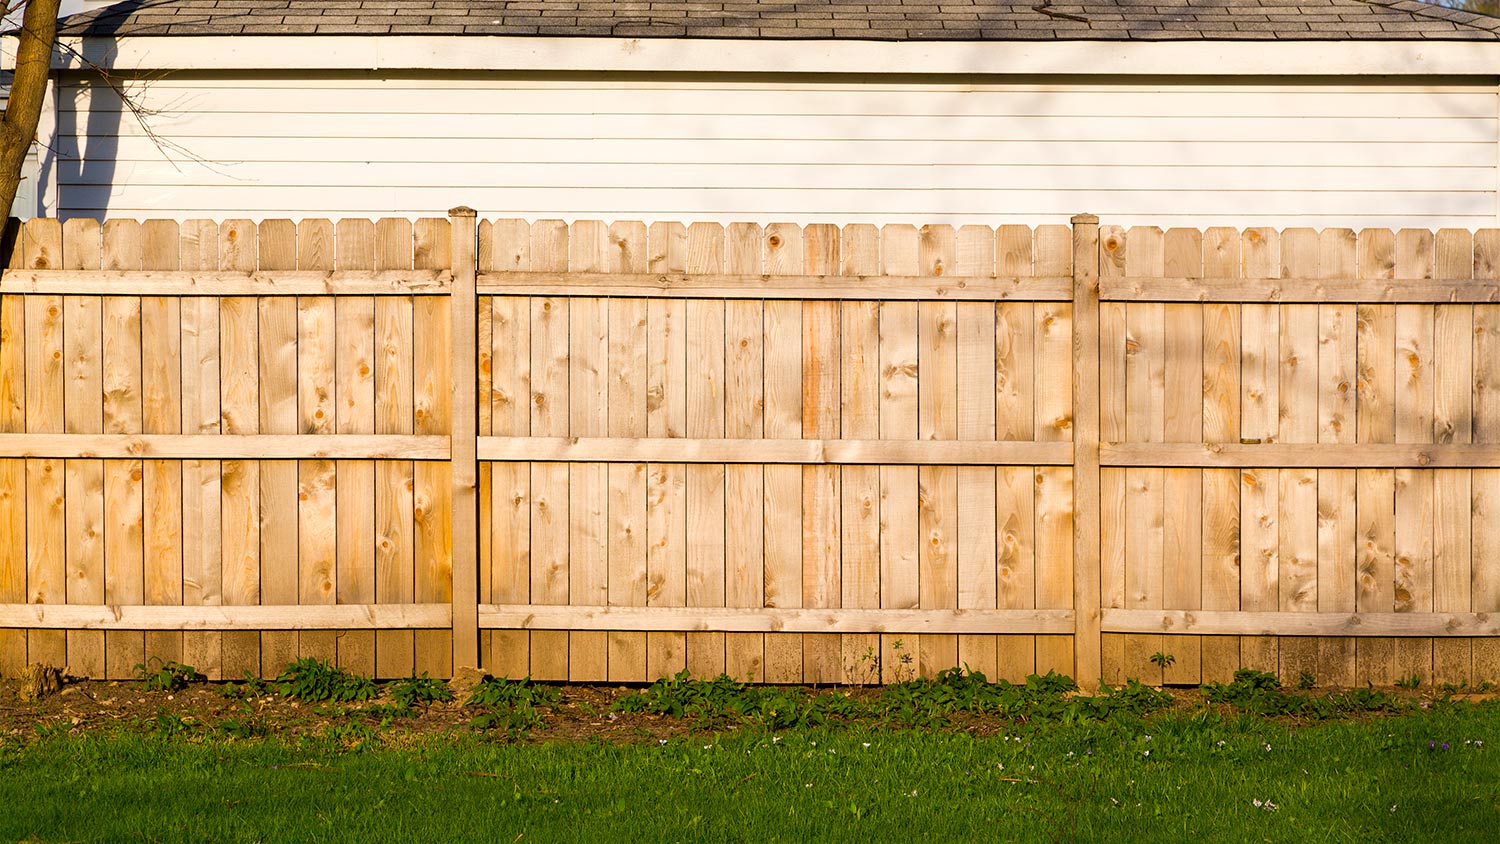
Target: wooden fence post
464, 442
1086, 505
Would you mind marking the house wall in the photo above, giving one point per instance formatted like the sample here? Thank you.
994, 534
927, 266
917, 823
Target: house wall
763, 149
25, 204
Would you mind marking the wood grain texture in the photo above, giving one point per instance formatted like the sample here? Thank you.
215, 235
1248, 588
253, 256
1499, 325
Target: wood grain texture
744, 417
783, 251
1085, 519
1221, 423
788, 622
161, 413
509, 488
705, 485
124, 517
864, 483
1056, 250
202, 527
83, 412
432, 414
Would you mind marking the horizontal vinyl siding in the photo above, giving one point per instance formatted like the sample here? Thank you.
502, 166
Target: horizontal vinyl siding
766, 151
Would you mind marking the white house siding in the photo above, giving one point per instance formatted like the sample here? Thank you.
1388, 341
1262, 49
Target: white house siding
834, 151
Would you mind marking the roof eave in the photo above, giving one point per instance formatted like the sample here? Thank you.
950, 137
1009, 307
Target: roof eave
687, 55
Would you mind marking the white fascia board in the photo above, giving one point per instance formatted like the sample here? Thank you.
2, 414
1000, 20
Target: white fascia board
687, 55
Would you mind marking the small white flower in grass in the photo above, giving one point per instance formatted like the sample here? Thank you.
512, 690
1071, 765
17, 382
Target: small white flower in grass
865, 743
1393, 807
775, 739
1220, 743
913, 793
661, 741
808, 785
708, 747
1145, 753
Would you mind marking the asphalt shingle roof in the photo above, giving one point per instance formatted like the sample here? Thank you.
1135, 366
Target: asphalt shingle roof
881, 20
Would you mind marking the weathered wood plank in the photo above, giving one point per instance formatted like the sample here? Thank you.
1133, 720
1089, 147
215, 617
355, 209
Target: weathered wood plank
588, 415
549, 417
1145, 421
744, 494
432, 411
124, 517
161, 413
774, 451
1221, 423
83, 412
1056, 251
1357, 624
783, 351
778, 620
1364, 289
783, 281
504, 408
1182, 547
246, 619
1484, 594
977, 401
202, 571
273, 485
388, 244
226, 446
859, 417
353, 413
705, 485
232, 280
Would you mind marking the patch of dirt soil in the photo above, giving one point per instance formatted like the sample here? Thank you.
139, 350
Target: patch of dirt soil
233, 710
94, 705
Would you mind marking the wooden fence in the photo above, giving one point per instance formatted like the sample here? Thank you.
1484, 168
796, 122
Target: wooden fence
611, 452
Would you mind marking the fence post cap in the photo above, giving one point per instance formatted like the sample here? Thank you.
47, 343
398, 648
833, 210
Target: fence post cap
1085, 220
462, 211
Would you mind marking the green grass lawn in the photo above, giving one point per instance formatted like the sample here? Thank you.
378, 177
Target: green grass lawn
1423, 776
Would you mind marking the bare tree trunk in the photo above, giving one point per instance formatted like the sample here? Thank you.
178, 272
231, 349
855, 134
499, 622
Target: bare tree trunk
29, 88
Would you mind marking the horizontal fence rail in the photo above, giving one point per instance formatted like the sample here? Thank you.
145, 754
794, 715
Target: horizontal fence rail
613, 451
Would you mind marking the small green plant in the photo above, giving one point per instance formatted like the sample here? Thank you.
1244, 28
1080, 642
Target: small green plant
512, 707
1162, 660
1306, 680
724, 700
240, 728
905, 668
158, 676
315, 681
1260, 693
864, 671
252, 687
168, 725
515, 723
500, 691
412, 692
1411, 682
